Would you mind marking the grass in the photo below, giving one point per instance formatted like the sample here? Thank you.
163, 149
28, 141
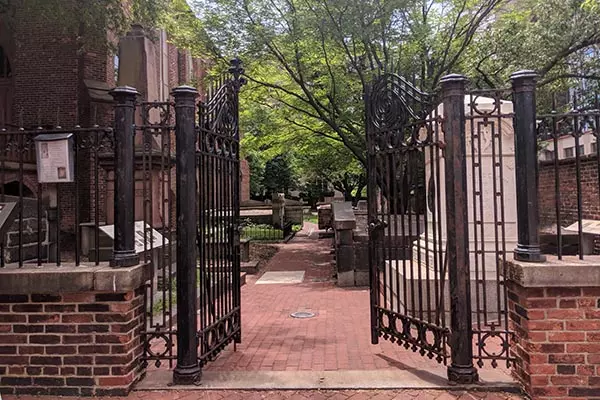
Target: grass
314, 218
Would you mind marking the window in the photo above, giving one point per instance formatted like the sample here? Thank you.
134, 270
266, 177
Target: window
569, 152
548, 155
581, 150
594, 148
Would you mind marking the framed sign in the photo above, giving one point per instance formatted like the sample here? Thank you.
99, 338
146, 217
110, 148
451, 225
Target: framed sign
55, 158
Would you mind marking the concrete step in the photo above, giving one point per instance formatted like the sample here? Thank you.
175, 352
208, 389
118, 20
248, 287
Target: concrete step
251, 267
242, 278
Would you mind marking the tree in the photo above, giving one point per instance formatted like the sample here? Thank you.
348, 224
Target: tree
278, 176
557, 38
312, 60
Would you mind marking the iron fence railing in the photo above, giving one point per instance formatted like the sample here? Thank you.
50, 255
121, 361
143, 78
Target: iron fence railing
58, 214
569, 168
266, 232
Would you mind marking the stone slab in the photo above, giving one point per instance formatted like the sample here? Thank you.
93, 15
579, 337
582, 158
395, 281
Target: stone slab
568, 272
250, 267
69, 278
333, 380
343, 216
281, 277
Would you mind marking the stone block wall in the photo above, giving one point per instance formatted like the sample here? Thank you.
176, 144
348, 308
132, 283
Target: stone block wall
556, 320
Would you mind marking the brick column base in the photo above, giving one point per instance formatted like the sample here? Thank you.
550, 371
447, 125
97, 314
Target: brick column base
555, 313
72, 343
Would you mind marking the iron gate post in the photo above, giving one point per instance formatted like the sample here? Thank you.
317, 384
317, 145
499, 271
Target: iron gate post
187, 370
461, 369
124, 254
526, 167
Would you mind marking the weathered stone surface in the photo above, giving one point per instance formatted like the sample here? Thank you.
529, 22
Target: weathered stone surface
343, 216
568, 272
71, 279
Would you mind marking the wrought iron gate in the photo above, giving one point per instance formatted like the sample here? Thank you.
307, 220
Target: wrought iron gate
424, 187
408, 269
218, 216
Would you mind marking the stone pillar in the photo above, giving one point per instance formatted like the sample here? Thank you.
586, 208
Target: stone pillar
344, 223
554, 310
278, 210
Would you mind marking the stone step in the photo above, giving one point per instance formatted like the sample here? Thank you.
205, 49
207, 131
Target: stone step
242, 278
250, 267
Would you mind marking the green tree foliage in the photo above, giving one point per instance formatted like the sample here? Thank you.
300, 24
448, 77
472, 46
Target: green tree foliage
310, 61
278, 175
558, 38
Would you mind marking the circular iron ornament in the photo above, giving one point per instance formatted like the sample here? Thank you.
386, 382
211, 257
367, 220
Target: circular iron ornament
387, 103
302, 314
474, 107
151, 345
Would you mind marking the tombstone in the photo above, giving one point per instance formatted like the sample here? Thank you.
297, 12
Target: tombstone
278, 210
485, 255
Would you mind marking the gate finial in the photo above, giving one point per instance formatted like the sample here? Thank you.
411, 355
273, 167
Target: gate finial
237, 71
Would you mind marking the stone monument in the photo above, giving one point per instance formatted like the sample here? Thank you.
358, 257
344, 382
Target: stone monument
492, 214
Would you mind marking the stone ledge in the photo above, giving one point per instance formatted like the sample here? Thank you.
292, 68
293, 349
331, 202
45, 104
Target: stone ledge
343, 216
68, 278
568, 272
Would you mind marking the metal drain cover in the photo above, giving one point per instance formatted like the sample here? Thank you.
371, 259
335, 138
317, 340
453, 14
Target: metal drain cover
302, 314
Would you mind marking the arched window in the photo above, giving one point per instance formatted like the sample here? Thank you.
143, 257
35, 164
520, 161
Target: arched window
5, 70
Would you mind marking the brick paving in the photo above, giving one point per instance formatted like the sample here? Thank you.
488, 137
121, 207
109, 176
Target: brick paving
300, 395
338, 338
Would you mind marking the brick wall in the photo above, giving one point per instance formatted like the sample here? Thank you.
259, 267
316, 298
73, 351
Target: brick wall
567, 179
70, 344
557, 340
45, 70
567, 175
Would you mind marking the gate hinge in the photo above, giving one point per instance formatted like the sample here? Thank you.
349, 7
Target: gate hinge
377, 225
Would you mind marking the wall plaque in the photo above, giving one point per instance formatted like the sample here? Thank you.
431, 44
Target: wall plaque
157, 238
55, 158
8, 212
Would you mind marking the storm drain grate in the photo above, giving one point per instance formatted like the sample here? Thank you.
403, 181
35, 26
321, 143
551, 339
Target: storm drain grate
302, 314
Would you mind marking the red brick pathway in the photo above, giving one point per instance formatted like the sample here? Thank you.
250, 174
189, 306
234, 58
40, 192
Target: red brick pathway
338, 338
300, 395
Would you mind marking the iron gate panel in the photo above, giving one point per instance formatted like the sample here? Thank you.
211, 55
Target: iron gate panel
218, 227
440, 223
490, 162
408, 268
154, 156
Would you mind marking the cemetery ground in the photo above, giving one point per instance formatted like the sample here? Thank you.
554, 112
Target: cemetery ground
328, 356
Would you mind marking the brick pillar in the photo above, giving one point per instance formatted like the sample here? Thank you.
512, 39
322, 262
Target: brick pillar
72, 331
555, 313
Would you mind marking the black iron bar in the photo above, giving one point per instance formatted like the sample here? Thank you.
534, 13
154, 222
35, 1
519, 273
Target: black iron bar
372, 194
21, 149
526, 167
124, 181
461, 369
187, 370
576, 135
77, 228
557, 210
58, 221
